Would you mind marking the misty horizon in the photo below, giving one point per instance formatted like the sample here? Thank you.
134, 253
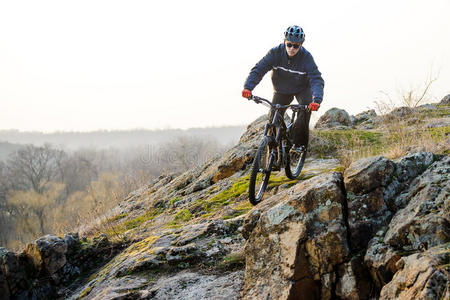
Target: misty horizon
11, 140
118, 129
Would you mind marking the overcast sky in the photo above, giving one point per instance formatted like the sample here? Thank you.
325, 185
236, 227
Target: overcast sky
87, 65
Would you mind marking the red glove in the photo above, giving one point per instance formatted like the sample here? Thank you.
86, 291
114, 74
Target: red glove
313, 106
246, 93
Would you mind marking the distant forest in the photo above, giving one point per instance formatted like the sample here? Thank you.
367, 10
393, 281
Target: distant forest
53, 183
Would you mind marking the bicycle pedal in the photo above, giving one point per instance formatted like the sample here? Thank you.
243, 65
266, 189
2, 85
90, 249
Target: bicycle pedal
299, 149
276, 168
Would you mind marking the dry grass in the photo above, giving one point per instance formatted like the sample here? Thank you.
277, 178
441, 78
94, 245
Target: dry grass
100, 223
407, 139
347, 157
397, 137
346, 145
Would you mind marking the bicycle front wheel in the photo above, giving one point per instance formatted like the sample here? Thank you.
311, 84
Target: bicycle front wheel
294, 164
260, 174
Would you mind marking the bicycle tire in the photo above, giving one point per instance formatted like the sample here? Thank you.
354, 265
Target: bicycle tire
260, 173
294, 164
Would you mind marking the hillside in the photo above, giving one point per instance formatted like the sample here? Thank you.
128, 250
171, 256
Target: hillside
368, 218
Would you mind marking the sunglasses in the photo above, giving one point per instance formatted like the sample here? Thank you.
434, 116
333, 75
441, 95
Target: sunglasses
296, 46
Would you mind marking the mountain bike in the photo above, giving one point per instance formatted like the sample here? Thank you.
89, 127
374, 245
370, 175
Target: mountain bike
275, 150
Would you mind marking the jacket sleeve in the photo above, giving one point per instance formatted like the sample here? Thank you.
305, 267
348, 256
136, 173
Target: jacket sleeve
315, 79
259, 70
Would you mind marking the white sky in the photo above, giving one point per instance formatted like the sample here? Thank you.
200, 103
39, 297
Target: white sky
87, 65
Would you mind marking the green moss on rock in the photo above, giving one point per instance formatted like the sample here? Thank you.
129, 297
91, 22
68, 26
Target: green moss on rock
225, 197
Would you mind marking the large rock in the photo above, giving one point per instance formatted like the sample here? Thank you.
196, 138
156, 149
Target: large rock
445, 100
413, 164
44, 262
296, 244
52, 262
170, 250
354, 281
381, 260
365, 116
367, 174
408, 168
4, 289
369, 185
12, 274
189, 285
114, 288
373, 186
364, 120
334, 117
425, 220
399, 113
421, 223
422, 276
48, 254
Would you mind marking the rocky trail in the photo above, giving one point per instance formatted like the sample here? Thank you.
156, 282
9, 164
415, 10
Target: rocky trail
378, 228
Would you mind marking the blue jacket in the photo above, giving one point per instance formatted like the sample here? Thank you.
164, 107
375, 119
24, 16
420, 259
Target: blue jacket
289, 75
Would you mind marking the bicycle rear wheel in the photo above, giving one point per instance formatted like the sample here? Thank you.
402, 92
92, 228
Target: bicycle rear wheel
260, 174
294, 164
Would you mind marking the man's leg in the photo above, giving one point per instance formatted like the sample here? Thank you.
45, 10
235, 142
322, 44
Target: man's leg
301, 127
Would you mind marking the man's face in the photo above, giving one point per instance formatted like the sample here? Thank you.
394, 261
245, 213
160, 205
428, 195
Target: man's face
291, 51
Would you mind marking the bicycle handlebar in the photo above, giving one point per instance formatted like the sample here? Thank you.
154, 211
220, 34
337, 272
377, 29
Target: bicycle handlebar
279, 106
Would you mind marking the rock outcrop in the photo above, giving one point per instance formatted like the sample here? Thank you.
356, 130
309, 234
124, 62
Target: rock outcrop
422, 223
445, 100
188, 285
298, 241
368, 185
308, 239
336, 118
49, 263
170, 253
333, 118
372, 185
425, 219
421, 276
364, 120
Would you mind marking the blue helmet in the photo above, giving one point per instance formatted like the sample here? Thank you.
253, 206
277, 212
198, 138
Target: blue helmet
294, 34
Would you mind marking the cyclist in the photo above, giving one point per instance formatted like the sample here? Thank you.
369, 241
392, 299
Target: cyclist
294, 74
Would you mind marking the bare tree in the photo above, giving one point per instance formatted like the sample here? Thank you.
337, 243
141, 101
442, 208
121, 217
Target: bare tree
32, 167
414, 96
31, 208
5, 218
384, 105
3, 186
78, 170
186, 152
411, 97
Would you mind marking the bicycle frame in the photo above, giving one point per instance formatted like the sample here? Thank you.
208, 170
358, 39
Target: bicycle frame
279, 126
